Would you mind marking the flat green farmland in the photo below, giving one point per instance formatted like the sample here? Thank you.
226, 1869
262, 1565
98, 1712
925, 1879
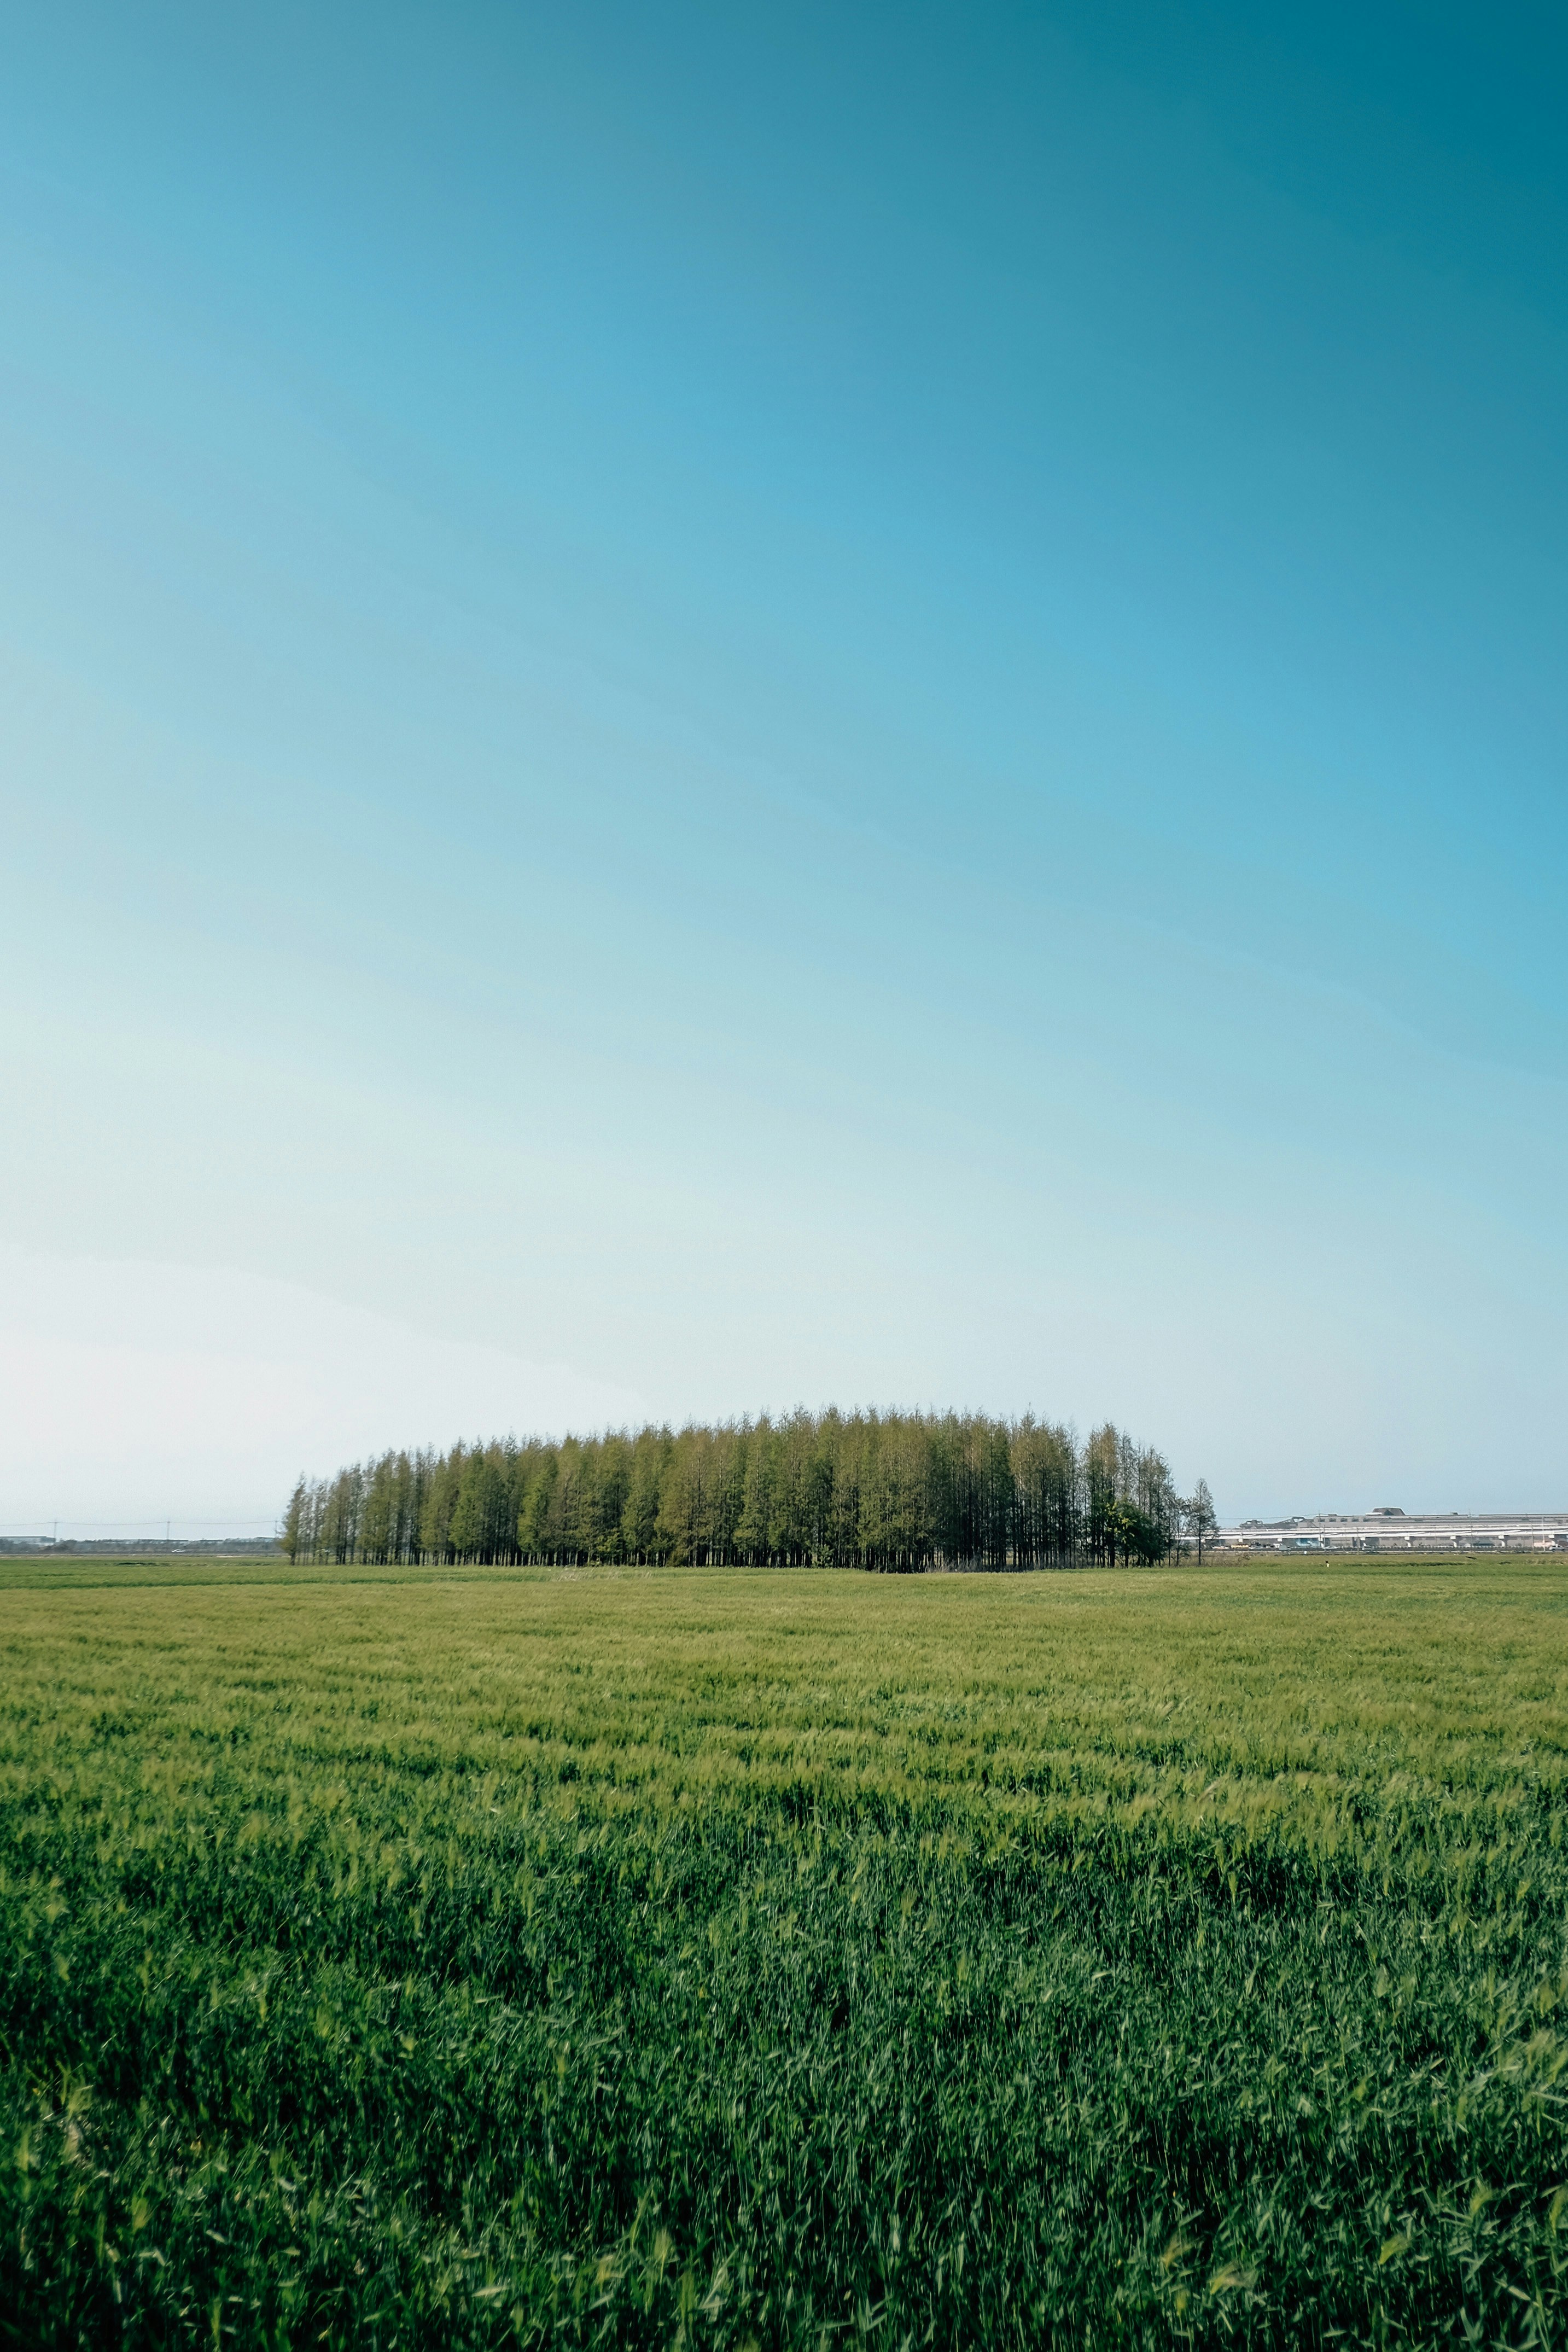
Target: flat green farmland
714, 1958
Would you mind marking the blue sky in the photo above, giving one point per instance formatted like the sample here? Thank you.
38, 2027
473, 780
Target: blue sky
704, 708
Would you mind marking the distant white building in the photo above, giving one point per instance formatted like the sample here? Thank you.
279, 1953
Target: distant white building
1389, 1528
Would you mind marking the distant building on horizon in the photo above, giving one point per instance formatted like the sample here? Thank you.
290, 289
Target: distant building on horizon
1388, 1527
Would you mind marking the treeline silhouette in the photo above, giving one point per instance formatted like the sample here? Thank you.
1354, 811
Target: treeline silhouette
893, 1490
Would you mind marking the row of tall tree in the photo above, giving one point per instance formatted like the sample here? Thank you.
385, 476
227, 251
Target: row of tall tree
889, 1490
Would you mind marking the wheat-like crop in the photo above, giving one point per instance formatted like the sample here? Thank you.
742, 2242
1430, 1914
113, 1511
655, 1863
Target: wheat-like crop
707, 1958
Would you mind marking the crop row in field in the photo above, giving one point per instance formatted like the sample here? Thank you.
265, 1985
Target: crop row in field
720, 1958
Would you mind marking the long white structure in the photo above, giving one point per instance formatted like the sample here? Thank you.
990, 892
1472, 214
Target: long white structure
1390, 1529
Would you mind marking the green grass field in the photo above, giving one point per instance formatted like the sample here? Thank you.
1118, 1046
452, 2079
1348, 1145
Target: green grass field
713, 1959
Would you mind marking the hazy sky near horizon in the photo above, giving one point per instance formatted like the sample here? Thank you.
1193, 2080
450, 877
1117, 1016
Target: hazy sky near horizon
704, 708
